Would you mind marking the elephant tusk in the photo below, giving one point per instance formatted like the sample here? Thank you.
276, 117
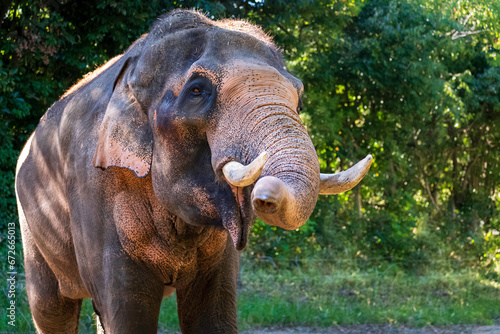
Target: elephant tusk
338, 183
239, 175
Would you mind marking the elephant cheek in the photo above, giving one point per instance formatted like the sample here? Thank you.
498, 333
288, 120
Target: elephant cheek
201, 199
204, 203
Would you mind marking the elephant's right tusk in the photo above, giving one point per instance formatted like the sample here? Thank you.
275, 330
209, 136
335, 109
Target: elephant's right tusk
338, 183
239, 175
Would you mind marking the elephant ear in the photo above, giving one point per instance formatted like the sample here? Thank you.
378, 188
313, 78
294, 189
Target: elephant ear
125, 138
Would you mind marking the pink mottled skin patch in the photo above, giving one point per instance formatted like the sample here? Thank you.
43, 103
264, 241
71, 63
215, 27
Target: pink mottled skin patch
117, 155
148, 233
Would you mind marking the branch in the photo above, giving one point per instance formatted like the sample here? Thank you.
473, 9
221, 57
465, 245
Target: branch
467, 18
459, 34
300, 31
430, 193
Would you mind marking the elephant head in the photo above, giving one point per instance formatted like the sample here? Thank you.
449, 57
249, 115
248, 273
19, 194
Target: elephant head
209, 110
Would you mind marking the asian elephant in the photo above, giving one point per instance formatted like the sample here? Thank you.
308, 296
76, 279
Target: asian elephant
146, 176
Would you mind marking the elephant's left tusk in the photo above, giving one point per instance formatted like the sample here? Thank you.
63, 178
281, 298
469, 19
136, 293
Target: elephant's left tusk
239, 175
338, 183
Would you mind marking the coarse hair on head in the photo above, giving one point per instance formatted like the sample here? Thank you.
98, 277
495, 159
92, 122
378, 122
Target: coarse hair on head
182, 19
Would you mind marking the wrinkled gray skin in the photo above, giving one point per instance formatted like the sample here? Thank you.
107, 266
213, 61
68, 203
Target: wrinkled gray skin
120, 190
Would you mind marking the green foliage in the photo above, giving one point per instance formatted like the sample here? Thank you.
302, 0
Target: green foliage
415, 83
277, 246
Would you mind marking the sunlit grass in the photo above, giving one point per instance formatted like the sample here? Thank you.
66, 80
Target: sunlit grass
324, 297
330, 298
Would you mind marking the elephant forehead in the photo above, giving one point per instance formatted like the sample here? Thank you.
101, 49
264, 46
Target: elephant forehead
243, 81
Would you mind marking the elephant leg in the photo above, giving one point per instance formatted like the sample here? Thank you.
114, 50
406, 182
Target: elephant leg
51, 312
128, 298
208, 304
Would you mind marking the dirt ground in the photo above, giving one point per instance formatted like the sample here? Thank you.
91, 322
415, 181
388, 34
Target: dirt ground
381, 329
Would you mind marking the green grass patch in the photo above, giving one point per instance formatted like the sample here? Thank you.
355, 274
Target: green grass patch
328, 297
324, 297
168, 315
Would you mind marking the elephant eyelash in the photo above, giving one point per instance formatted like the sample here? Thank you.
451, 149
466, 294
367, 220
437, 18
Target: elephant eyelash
300, 105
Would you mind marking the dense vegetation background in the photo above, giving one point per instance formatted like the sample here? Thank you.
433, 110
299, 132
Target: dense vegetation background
415, 83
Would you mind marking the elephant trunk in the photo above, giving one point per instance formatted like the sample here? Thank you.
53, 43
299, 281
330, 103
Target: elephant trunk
260, 123
287, 190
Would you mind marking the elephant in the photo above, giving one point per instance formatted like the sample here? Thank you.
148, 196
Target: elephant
146, 176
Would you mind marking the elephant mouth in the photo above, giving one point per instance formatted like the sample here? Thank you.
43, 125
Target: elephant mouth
241, 179
239, 226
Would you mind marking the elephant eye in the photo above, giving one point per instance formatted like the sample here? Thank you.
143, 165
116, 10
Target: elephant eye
198, 87
300, 105
197, 94
197, 91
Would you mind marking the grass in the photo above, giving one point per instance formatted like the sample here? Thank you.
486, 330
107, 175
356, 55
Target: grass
324, 297
327, 297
